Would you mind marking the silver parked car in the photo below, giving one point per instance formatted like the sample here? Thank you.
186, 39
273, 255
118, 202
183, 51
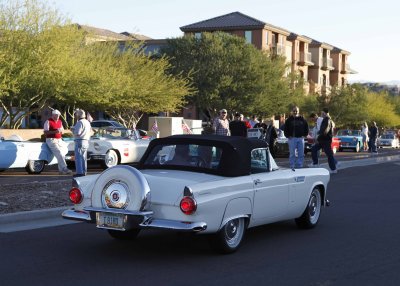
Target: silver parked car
204, 184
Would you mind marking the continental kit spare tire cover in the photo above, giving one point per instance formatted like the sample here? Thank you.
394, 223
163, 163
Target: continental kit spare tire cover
121, 187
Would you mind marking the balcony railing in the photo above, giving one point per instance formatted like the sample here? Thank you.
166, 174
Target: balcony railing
346, 68
306, 59
327, 63
278, 49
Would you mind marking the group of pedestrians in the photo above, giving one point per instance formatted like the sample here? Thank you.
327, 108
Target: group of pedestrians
239, 127
53, 130
295, 129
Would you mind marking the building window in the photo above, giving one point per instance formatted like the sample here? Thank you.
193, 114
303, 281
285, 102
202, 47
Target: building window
197, 36
247, 35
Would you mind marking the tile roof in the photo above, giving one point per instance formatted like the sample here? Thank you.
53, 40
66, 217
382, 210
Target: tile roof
230, 21
138, 37
294, 36
339, 50
315, 43
104, 34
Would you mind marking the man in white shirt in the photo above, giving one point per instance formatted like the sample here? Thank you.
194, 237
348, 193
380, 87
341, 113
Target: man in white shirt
82, 132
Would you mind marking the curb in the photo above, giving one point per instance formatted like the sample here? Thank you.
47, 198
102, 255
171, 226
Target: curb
364, 162
35, 219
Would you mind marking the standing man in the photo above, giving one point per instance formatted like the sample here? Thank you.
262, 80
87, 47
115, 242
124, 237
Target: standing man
237, 127
373, 136
53, 130
221, 124
82, 131
324, 141
295, 129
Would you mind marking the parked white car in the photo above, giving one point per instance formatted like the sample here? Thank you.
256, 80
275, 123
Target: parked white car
111, 147
206, 184
388, 140
17, 153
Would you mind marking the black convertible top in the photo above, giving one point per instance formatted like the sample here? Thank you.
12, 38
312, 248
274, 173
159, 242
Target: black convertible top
236, 151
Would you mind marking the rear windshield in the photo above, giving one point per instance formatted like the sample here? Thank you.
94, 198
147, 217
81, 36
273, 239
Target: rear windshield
185, 155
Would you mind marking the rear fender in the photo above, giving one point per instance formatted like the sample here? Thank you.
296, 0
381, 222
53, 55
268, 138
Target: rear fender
43, 154
240, 207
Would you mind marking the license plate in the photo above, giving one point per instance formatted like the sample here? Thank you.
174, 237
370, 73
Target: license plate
110, 220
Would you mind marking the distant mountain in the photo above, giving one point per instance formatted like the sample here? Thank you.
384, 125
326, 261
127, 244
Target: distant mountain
391, 82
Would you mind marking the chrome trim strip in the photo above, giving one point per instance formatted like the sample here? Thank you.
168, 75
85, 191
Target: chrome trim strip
119, 211
187, 192
76, 215
146, 220
174, 225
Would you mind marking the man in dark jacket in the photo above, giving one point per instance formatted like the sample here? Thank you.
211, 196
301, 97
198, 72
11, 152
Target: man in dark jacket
373, 134
324, 141
295, 129
238, 127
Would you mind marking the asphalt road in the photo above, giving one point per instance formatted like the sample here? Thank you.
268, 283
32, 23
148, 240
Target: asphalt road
355, 243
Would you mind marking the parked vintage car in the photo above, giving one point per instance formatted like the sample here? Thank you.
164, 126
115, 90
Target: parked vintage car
112, 146
205, 184
335, 145
388, 140
115, 125
17, 153
350, 139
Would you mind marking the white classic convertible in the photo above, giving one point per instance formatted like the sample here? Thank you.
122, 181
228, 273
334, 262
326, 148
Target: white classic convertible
112, 146
33, 156
207, 184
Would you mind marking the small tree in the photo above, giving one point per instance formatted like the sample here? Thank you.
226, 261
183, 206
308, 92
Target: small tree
35, 51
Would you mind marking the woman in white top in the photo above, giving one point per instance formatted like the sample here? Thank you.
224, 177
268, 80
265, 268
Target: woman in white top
364, 133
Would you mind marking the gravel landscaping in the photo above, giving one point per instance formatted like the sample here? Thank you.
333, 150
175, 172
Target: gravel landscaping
33, 196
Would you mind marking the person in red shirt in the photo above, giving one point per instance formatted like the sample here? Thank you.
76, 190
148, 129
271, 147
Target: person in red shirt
248, 125
53, 130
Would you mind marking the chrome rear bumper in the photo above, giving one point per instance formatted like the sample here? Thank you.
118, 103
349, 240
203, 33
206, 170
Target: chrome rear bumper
136, 219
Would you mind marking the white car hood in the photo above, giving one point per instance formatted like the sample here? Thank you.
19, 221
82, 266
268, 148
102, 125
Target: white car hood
166, 186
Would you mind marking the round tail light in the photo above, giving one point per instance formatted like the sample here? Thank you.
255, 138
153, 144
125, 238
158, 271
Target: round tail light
75, 196
188, 205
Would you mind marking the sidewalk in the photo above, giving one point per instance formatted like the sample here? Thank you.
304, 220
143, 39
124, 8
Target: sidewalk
52, 217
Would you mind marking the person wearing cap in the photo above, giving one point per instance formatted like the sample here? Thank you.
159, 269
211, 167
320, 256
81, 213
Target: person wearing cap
82, 131
53, 130
238, 127
324, 141
221, 124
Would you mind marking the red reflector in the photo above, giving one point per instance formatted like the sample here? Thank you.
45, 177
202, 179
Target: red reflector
75, 195
188, 205
126, 152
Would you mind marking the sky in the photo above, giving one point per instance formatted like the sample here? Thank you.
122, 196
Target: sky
368, 29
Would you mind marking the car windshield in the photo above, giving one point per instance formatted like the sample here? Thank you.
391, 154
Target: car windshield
111, 132
185, 155
387, 136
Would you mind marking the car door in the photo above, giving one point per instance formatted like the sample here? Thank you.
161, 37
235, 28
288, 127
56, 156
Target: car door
13, 154
271, 190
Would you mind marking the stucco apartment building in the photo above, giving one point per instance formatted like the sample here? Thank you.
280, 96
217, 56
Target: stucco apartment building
320, 65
